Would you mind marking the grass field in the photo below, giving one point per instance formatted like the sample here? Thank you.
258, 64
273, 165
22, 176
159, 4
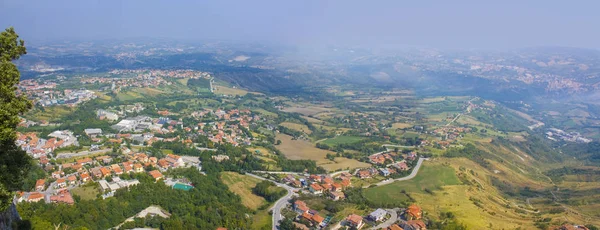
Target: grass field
430, 177
306, 110
223, 90
242, 186
341, 140
297, 127
128, 96
85, 192
299, 149
49, 113
401, 125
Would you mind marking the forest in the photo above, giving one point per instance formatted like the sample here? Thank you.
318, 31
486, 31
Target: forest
211, 204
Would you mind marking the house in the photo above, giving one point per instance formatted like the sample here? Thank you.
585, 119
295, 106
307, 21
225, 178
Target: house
384, 172
413, 225
127, 168
57, 174
175, 161
155, 174
354, 220
336, 187
105, 172
315, 189
63, 197
413, 212
85, 177
318, 220
96, 172
40, 184
116, 169
364, 174
300, 206
93, 132
326, 187
346, 183
327, 180
316, 178
337, 195
297, 184
35, 197
401, 166
163, 164
85, 161
72, 179
61, 183
394, 227
104, 159
378, 215
138, 168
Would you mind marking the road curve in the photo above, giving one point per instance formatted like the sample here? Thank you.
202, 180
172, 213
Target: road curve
393, 218
279, 204
412, 174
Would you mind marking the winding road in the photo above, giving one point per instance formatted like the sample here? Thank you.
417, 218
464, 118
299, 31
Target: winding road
410, 176
281, 203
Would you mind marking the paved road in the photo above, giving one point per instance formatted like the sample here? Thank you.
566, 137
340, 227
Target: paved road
82, 153
412, 174
279, 172
390, 221
281, 203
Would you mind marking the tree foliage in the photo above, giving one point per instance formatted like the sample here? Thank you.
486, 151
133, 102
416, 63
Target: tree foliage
14, 163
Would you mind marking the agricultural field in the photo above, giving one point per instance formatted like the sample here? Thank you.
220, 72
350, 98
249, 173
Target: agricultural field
401, 125
48, 113
242, 186
223, 90
307, 110
300, 149
297, 127
341, 140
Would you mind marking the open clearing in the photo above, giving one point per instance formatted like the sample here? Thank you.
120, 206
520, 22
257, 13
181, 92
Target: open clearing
242, 186
401, 125
297, 127
301, 150
430, 177
85, 192
307, 110
341, 140
223, 90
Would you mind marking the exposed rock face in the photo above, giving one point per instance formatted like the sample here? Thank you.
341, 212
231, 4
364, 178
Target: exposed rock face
9, 218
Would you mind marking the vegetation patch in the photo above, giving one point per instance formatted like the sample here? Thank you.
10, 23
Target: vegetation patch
242, 186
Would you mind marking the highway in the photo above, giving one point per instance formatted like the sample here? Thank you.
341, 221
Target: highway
281, 203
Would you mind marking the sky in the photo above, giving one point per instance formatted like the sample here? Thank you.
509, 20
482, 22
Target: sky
453, 24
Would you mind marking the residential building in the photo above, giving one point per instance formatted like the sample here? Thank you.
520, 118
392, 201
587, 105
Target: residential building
155, 174
40, 184
378, 215
413, 212
35, 197
413, 225
315, 189
354, 220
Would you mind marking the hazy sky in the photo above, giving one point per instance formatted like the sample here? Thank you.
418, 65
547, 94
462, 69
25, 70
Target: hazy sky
442, 24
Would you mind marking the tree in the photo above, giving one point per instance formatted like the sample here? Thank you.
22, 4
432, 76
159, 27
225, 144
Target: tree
14, 162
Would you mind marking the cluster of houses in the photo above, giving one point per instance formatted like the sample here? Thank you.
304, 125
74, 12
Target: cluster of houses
387, 165
311, 216
409, 220
38, 147
69, 175
44, 93
321, 184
